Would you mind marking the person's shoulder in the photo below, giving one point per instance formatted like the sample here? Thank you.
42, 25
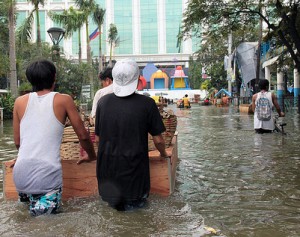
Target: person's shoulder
65, 98
22, 99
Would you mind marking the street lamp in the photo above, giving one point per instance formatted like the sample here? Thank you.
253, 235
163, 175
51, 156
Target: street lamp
56, 34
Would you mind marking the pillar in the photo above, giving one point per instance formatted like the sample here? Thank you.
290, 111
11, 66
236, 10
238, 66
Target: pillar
296, 86
229, 63
268, 75
280, 84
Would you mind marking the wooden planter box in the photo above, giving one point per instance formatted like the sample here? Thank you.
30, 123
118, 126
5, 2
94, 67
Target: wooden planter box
246, 108
81, 181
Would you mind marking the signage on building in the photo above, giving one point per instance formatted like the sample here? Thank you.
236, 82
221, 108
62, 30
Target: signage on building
86, 91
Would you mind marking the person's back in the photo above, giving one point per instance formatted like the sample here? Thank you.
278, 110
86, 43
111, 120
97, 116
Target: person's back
262, 105
123, 121
41, 163
124, 124
38, 122
186, 101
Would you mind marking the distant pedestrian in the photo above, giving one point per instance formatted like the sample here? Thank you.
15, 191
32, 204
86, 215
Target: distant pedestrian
262, 105
106, 80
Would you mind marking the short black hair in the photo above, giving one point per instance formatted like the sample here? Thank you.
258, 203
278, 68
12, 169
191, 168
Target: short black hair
263, 84
41, 74
106, 73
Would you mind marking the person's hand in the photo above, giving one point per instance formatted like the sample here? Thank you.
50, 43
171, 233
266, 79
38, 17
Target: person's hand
85, 159
13, 163
281, 114
92, 122
165, 155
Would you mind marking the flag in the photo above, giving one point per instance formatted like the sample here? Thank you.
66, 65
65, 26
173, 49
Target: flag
94, 34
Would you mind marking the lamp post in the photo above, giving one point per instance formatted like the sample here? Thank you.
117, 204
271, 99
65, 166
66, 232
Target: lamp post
56, 34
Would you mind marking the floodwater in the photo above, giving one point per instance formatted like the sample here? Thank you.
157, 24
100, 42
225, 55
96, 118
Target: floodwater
230, 182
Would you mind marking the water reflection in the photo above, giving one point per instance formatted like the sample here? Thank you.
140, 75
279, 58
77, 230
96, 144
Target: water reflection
229, 178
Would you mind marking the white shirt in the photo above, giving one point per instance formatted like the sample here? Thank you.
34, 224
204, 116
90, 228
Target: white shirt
100, 93
38, 167
267, 125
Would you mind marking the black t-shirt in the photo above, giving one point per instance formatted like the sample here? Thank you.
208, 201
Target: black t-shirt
123, 124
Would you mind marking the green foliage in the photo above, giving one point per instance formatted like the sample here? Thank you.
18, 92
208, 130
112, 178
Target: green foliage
7, 103
214, 20
4, 40
206, 85
71, 77
25, 87
195, 73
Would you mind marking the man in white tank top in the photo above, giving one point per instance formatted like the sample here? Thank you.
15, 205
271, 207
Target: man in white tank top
266, 126
38, 123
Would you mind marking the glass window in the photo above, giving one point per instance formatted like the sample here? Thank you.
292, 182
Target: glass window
95, 42
21, 16
173, 22
149, 27
43, 31
123, 22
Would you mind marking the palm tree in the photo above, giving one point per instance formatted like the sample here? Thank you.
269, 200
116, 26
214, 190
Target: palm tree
12, 49
87, 7
25, 29
72, 20
113, 39
98, 17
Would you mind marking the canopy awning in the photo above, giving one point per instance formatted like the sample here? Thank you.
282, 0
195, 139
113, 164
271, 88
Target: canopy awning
223, 91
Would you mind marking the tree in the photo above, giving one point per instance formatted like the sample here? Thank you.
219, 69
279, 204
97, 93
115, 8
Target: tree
72, 20
113, 40
12, 50
26, 28
281, 17
98, 17
87, 7
4, 41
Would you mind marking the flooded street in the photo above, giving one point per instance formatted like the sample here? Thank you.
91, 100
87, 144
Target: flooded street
228, 178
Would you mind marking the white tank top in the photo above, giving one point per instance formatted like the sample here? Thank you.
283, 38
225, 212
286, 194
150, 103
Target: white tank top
38, 167
267, 125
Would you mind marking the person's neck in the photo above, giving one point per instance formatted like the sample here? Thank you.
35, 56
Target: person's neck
43, 92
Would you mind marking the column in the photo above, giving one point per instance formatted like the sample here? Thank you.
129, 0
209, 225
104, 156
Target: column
280, 88
161, 15
229, 62
268, 75
136, 27
296, 86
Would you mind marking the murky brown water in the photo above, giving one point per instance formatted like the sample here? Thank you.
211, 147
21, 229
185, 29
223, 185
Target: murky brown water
228, 178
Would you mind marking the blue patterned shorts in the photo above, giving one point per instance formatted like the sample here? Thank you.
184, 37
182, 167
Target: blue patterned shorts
40, 204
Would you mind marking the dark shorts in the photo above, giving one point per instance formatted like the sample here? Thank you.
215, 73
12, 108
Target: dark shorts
261, 131
40, 204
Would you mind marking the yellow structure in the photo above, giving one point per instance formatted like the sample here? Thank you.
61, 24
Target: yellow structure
159, 80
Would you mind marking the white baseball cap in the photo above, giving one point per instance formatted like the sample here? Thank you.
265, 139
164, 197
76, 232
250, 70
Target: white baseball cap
125, 77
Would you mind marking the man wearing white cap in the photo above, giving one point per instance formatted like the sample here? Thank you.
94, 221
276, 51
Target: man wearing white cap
123, 121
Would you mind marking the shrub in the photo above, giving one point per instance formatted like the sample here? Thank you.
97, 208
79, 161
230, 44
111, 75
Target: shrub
7, 103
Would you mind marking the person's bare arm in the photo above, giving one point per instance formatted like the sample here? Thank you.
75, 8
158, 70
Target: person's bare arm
16, 124
78, 126
276, 105
253, 102
159, 143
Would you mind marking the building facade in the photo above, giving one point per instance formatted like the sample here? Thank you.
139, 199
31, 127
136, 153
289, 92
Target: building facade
147, 30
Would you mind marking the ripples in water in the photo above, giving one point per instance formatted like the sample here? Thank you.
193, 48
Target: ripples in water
228, 178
